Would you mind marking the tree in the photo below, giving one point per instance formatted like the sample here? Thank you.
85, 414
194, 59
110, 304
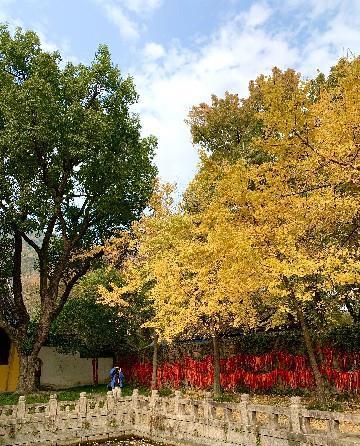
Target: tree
298, 207
89, 326
185, 260
261, 243
226, 128
124, 252
224, 132
74, 168
303, 204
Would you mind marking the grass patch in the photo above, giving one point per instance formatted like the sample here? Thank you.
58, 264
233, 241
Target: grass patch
144, 391
7, 398
74, 393
225, 397
166, 391
37, 398
327, 405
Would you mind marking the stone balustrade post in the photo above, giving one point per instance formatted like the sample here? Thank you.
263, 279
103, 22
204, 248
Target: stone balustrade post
83, 405
21, 408
178, 406
333, 427
135, 406
228, 414
110, 402
207, 407
135, 399
244, 410
154, 399
53, 406
295, 414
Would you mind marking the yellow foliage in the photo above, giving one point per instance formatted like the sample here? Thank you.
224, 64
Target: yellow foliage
253, 236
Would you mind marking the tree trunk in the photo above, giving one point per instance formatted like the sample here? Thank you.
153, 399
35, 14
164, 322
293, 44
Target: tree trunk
217, 385
155, 363
319, 382
352, 310
28, 381
27, 378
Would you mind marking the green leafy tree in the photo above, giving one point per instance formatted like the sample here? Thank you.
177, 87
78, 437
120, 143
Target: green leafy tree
90, 326
74, 168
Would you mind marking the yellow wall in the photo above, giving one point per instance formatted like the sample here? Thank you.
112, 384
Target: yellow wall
9, 374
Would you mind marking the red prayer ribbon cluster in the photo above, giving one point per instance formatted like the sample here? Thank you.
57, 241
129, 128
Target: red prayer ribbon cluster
254, 372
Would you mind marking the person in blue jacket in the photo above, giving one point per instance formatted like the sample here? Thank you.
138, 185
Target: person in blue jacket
117, 380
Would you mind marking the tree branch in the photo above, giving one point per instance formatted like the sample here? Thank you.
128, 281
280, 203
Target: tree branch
75, 278
29, 241
94, 95
331, 160
17, 281
304, 191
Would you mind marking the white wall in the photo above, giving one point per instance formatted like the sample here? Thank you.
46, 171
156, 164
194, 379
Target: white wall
65, 370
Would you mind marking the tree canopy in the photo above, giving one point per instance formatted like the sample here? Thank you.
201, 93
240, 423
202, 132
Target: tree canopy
268, 233
74, 168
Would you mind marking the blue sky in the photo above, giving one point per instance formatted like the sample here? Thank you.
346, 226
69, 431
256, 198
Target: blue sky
182, 51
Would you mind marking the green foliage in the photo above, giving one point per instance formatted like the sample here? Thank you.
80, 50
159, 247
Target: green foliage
225, 397
74, 393
73, 169
330, 404
38, 398
69, 126
226, 128
94, 328
166, 391
345, 338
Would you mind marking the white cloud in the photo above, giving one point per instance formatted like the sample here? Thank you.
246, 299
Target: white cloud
232, 56
5, 17
238, 51
121, 13
141, 6
338, 37
257, 15
153, 51
127, 28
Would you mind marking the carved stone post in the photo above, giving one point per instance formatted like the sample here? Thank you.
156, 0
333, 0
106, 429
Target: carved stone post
82, 405
110, 402
178, 406
135, 406
207, 407
53, 407
154, 398
135, 399
228, 414
333, 428
21, 408
244, 411
295, 414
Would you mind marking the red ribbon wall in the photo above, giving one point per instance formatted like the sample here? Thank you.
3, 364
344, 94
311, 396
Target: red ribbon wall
254, 372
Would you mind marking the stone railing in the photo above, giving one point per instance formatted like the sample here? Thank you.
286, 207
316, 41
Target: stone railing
174, 421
